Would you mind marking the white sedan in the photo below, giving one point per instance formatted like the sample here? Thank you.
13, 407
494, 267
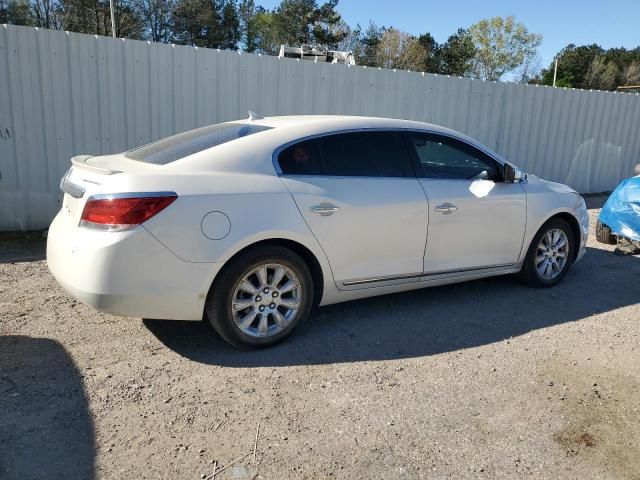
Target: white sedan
251, 223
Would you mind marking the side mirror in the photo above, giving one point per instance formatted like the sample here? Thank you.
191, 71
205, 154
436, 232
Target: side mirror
512, 174
509, 173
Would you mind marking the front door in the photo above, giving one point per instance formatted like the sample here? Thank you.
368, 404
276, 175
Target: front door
475, 219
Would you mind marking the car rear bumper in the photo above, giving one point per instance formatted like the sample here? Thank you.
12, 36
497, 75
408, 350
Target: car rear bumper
127, 273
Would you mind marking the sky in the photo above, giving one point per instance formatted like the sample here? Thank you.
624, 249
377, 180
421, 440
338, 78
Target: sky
613, 23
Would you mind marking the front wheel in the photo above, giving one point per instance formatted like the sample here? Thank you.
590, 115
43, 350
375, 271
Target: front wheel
604, 235
550, 254
260, 297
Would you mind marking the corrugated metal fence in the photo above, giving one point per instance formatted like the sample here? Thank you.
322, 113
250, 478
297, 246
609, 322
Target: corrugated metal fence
63, 94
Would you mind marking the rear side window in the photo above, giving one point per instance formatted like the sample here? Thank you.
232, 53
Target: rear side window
301, 159
448, 158
187, 143
362, 154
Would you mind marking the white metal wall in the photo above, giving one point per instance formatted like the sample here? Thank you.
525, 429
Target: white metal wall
63, 94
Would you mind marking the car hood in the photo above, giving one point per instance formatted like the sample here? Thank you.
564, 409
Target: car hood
551, 186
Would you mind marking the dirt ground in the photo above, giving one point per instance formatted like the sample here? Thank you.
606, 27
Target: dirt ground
489, 379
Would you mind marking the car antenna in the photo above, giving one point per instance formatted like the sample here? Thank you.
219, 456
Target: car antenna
254, 116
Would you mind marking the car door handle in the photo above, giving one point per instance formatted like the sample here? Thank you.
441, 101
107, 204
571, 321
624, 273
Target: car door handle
446, 208
325, 209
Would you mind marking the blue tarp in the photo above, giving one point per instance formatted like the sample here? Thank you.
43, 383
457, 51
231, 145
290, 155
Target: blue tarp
621, 213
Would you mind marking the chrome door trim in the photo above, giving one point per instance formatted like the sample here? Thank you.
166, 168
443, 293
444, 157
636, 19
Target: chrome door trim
467, 270
428, 275
364, 281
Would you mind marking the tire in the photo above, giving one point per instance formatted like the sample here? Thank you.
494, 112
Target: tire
604, 235
531, 273
236, 312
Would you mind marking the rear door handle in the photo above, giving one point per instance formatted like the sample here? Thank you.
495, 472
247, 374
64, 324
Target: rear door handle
446, 208
325, 209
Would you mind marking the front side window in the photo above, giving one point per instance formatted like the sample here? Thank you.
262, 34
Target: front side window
362, 154
448, 158
184, 144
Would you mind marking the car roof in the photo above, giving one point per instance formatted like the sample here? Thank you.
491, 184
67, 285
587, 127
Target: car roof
294, 127
338, 122
253, 153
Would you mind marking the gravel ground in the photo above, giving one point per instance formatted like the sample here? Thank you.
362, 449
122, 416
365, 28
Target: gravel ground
489, 379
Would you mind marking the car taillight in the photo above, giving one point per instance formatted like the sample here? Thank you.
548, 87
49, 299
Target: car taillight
123, 212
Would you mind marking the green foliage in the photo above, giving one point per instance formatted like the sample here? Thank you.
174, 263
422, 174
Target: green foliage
400, 50
592, 67
456, 55
230, 35
16, 12
156, 18
501, 46
192, 21
367, 45
248, 17
431, 52
489, 49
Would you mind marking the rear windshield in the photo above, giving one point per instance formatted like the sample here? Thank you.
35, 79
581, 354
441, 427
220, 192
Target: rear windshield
187, 143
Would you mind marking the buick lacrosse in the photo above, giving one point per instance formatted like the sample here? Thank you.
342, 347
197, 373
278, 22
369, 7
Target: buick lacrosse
249, 224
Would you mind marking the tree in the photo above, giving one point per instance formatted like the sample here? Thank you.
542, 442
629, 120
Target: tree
502, 45
267, 38
94, 16
328, 27
573, 64
247, 15
367, 51
631, 74
578, 67
196, 22
351, 40
457, 54
293, 20
155, 16
229, 25
128, 23
529, 71
602, 75
47, 13
298, 22
400, 50
16, 12
432, 52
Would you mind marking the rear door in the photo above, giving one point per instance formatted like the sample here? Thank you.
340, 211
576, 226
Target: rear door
359, 195
476, 220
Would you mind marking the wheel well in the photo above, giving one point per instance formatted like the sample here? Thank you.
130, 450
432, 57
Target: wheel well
575, 228
307, 256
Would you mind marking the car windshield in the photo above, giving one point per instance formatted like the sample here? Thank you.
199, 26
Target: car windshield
184, 144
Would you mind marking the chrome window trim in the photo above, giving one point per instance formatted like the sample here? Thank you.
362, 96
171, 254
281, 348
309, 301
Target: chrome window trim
278, 150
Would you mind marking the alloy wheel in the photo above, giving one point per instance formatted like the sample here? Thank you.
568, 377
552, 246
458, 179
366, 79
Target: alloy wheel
552, 254
266, 300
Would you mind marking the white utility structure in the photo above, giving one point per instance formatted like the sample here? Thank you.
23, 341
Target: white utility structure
317, 53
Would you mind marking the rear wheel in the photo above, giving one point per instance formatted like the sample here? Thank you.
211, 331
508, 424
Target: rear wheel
604, 235
550, 254
260, 297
